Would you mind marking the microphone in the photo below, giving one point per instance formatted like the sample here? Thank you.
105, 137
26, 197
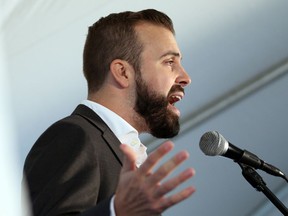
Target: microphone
213, 143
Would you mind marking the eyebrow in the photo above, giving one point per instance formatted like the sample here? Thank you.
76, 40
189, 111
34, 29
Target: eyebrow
176, 54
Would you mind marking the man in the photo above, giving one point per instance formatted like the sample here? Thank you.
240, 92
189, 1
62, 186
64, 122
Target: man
78, 166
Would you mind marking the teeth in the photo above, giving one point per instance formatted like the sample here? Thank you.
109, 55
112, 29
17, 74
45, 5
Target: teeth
179, 98
176, 96
174, 99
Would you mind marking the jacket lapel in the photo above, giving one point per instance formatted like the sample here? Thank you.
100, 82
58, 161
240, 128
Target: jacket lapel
110, 138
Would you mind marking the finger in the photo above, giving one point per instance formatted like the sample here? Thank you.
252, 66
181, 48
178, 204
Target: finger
171, 184
176, 198
129, 158
167, 168
155, 156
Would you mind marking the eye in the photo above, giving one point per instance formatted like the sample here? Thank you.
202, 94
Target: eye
170, 62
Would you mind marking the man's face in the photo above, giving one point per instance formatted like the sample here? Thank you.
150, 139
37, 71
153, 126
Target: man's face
160, 81
153, 107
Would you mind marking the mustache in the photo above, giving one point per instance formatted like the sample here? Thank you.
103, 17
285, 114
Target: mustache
176, 88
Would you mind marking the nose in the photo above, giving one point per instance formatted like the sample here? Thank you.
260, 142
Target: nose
183, 78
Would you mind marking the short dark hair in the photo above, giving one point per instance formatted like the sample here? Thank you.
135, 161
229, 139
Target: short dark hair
114, 37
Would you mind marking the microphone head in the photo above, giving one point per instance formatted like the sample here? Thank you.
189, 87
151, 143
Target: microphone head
213, 143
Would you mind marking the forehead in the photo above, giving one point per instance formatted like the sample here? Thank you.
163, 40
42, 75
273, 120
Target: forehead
157, 40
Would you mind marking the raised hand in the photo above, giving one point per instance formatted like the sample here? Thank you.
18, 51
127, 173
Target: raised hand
142, 192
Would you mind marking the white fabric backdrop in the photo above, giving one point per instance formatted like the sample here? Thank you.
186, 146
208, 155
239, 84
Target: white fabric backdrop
10, 196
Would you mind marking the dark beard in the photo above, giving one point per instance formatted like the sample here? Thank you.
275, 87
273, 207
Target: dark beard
161, 121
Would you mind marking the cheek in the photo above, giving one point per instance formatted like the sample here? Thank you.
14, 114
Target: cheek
163, 84
160, 80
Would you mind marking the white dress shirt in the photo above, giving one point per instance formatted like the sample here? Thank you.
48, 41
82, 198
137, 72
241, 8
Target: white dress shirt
123, 131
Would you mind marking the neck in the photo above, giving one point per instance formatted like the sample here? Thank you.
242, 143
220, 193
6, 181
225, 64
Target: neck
125, 109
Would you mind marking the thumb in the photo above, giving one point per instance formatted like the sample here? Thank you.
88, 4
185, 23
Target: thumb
129, 158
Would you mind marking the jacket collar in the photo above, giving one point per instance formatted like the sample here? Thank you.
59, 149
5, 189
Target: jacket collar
107, 134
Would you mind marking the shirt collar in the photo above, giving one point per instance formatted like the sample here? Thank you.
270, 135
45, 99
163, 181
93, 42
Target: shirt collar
117, 124
121, 128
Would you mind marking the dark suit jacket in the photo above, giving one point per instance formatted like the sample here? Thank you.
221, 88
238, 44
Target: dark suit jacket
74, 166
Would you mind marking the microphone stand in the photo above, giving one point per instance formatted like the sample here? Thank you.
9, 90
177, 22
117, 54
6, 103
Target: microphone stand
257, 182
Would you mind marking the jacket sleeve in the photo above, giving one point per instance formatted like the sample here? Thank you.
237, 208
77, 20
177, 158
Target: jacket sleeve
101, 209
63, 173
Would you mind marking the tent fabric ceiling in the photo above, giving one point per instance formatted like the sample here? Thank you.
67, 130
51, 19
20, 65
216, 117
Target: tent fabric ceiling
225, 44
32, 21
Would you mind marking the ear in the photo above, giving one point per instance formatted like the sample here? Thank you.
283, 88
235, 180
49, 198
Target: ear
121, 71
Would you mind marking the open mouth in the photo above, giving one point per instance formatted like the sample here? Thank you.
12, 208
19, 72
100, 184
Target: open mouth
174, 98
